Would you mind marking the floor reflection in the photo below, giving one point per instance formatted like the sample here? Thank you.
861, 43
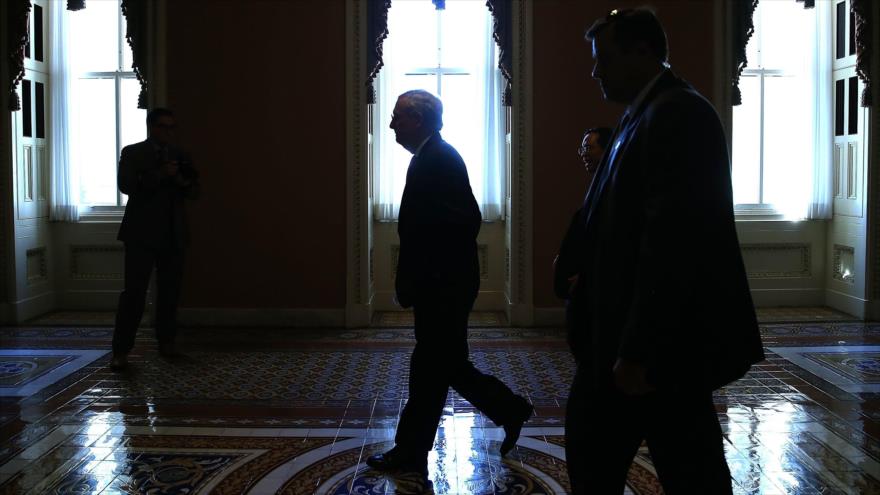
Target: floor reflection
298, 414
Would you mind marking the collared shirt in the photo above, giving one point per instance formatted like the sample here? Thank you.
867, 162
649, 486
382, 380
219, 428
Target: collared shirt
419, 149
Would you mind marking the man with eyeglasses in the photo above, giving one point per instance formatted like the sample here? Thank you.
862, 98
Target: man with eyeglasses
566, 265
158, 177
666, 312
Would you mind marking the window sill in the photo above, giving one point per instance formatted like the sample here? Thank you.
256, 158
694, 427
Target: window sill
500, 220
94, 215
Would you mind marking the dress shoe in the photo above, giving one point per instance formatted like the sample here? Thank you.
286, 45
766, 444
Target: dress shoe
397, 460
119, 362
514, 427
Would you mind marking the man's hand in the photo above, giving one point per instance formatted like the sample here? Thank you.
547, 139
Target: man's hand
631, 378
169, 169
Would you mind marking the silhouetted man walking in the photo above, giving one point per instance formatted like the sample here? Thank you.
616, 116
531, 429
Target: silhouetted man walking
665, 313
438, 275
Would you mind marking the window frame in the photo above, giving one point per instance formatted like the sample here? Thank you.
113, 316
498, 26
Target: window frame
764, 211
97, 212
437, 71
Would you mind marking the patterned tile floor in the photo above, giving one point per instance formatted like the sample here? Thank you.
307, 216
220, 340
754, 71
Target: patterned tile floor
265, 411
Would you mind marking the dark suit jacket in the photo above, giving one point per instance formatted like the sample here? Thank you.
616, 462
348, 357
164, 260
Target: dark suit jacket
438, 225
155, 215
662, 280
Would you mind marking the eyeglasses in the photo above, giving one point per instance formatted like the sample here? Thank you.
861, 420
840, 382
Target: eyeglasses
584, 147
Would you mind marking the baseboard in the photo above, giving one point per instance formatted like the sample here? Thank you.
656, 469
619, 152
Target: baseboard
358, 315
856, 306
769, 298
261, 317
521, 315
6, 314
549, 317
873, 310
91, 300
32, 307
486, 301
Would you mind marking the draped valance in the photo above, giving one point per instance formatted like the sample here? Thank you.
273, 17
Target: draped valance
743, 28
861, 10
377, 31
17, 14
136, 16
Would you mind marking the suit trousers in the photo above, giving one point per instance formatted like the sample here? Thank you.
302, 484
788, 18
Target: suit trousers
139, 263
440, 360
604, 429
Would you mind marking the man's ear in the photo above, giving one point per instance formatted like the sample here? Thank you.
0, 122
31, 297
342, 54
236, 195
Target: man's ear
419, 119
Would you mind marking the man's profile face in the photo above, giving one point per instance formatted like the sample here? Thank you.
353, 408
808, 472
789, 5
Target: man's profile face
591, 151
612, 67
163, 130
405, 125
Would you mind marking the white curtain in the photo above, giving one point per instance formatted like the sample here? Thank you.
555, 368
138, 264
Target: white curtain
64, 194
820, 204
492, 196
473, 114
390, 158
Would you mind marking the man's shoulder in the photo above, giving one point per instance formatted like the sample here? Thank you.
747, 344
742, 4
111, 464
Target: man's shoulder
680, 103
440, 151
140, 147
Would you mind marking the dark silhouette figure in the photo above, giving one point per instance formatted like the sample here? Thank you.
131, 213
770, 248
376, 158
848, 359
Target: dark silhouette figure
566, 265
438, 275
593, 146
157, 177
665, 315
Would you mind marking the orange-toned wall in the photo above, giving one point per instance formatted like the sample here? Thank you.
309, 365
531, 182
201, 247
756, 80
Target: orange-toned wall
258, 90
567, 101
258, 87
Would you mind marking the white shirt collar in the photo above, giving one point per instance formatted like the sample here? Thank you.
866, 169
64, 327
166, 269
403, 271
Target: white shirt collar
419, 149
644, 93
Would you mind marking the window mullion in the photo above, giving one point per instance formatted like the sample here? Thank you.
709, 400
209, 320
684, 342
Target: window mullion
761, 144
118, 81
439, 53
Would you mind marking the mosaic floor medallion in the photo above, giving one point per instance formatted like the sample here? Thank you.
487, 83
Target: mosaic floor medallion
851, 368
24, 372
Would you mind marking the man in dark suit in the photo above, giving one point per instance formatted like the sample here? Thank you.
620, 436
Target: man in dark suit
438, 275
566, 265
666, 313
157, 177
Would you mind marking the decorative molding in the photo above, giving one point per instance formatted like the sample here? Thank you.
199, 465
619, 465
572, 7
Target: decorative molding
483, 253
847, 303
507, 265
358, 250
31, 307
799, 253
521, 305
395, 257
843, 264
37, 269
78, 269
